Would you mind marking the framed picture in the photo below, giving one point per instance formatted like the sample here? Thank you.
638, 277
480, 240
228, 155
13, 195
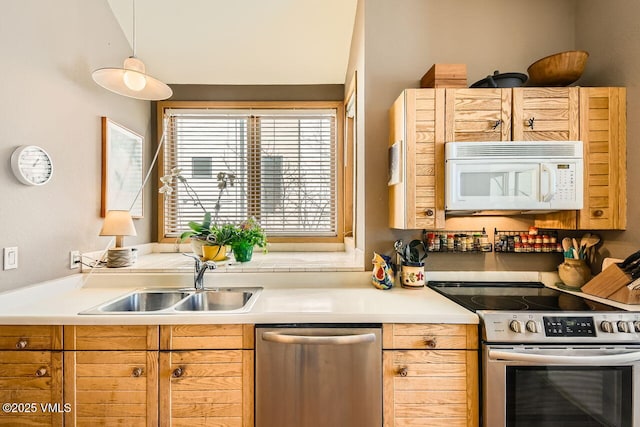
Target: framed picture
395, 164
121, 169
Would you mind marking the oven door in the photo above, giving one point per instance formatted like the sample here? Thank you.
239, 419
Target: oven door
556, 386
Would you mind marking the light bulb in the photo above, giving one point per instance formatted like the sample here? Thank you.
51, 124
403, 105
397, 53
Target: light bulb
134, 79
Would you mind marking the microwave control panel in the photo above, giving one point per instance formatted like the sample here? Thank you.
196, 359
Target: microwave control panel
565, 182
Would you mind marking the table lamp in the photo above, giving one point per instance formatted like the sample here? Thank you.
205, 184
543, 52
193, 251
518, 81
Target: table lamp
119, 224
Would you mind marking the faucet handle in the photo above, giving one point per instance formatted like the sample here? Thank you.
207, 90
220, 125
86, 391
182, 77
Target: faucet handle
210, 265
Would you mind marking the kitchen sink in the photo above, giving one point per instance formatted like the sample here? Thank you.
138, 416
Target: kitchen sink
216, 300
162, 301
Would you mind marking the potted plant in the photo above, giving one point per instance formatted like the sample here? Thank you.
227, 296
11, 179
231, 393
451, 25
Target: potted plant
217, 242
246, 235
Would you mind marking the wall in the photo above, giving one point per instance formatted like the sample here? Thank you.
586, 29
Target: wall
401, 42
609, 31
49, 50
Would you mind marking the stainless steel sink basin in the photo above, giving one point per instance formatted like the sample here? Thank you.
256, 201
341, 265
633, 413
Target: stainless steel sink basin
216, 300
171, 301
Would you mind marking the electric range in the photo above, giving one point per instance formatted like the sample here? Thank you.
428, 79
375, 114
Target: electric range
531, 312
550, 358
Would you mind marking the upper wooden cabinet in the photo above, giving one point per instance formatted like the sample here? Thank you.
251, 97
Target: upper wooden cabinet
416, 150
545, 114
478, 115
603, 130
423, 120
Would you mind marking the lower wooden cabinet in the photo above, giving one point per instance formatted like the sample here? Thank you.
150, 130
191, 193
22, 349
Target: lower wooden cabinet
31, 375
206, 387
31, 388
430, 375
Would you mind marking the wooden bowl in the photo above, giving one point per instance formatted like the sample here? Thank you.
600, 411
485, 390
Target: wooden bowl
560, 69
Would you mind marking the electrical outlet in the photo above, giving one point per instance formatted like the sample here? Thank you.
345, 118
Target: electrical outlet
74, 259
10, 258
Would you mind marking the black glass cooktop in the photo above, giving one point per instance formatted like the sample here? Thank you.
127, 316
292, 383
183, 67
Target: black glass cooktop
514, 296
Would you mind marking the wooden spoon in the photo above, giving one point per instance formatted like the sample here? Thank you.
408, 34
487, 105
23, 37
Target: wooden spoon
576, 248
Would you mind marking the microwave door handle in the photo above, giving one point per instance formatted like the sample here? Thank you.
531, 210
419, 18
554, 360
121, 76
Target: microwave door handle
551, 190
599, 360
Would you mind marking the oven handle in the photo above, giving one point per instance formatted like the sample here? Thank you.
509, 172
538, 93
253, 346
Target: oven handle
614, 359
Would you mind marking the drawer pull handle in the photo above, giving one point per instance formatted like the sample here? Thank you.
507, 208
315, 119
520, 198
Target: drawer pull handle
430, 342
22, 344
428, 212
496, 124
41, 372
403, 372
177, 373
598, 212
137, 372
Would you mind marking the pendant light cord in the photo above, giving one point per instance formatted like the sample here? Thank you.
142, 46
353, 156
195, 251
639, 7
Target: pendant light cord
134, 28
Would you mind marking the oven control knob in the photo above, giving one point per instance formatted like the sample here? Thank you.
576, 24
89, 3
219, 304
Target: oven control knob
516, 326
606, 326
531, 326
623, 326
636, 325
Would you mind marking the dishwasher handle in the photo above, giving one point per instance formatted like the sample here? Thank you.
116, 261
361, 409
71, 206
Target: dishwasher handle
318, 339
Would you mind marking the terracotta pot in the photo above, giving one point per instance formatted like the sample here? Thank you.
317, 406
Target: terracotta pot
574, 272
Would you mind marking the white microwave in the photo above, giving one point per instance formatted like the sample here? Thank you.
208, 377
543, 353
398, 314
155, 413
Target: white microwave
513, 176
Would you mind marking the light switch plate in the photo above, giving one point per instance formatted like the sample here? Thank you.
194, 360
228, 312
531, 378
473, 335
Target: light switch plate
10, 258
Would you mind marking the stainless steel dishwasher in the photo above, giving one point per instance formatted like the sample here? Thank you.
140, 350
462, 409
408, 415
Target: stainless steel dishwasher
318, 375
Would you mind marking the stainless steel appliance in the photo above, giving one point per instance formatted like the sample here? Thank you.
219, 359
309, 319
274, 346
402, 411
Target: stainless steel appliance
318, 375
552, 359
513, 176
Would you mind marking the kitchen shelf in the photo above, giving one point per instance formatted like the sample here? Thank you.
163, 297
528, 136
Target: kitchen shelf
458, 241
529, 241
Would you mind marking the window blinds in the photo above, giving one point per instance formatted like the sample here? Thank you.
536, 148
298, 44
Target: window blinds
283, 165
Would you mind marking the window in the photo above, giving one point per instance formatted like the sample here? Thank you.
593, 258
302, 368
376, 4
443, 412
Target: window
281, 165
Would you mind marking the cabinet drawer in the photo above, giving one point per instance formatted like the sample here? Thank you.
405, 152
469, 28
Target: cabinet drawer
206, 337
429, 336
18, 337
111, 337
431, 387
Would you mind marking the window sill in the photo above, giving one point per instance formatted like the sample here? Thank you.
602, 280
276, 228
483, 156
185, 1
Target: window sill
168, 258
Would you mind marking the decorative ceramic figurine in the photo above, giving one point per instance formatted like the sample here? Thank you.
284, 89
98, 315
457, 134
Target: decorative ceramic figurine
383, 274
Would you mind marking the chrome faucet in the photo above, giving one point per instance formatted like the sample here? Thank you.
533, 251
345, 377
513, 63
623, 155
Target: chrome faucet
200, 268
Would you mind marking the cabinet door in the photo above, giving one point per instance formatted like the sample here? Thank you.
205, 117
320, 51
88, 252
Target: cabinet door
603, 130
436, 388
545, 114
206, 387
416, 198
31, 384
478, 115
111, 387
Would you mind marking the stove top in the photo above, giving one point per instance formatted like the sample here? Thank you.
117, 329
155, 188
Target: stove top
515, 296
527, 312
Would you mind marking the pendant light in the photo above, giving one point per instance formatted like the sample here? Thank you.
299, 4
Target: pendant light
131, 80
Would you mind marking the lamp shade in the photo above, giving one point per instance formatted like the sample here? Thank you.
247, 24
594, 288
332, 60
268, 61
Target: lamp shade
132, 81
118, 223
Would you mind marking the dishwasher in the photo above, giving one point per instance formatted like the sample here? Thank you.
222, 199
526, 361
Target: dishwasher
318, 375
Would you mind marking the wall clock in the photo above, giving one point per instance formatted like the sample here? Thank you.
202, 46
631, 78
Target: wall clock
32, 165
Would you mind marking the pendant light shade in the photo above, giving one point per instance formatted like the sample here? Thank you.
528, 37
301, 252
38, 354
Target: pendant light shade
131, 80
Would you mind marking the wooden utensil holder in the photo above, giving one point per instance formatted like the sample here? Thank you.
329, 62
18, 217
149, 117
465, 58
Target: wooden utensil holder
611, 284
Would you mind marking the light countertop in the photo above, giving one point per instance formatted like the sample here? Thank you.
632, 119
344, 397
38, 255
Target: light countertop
294, 297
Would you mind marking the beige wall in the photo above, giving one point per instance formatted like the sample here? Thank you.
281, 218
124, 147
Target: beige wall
49, 99
609, 32
401, 42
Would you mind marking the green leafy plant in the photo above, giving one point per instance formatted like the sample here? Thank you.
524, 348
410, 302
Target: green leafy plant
249, 232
